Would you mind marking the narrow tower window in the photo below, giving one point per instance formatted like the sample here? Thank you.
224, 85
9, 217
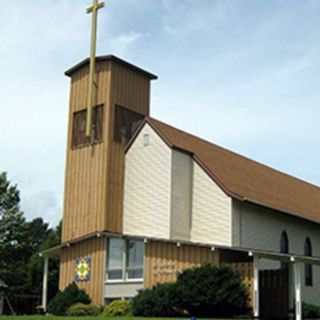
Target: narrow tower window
125, 123
79, 137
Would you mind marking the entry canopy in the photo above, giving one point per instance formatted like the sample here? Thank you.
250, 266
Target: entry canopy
284, 257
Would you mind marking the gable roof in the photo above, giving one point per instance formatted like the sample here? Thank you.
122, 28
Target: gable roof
243, 178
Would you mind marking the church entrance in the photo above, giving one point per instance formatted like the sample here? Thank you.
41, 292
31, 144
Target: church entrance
274, 294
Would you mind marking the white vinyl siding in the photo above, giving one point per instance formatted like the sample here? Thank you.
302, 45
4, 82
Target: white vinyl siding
168, 195
147, 200
181, 195
211, 210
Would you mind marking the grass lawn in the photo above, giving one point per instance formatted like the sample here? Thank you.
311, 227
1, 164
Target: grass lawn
83, 318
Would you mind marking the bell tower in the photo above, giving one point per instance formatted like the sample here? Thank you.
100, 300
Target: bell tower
94, 175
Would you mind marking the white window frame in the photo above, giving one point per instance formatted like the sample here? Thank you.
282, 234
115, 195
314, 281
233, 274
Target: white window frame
124, 263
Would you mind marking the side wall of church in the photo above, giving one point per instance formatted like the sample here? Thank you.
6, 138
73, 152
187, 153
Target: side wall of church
147, 188
211, 210
261, 228
94, 248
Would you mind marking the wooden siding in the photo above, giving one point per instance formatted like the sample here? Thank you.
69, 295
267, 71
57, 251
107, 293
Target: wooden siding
164, 260
245, 270
95, 249
94, 174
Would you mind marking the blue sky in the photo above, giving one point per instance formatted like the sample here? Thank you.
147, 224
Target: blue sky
243, 74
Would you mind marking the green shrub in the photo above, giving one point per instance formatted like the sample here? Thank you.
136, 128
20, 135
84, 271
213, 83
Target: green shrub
80, 309
310, 310
211, 291
64, 299
160, 301
118, 308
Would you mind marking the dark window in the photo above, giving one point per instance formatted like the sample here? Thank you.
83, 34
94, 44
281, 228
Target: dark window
308, 274
126, 122
284, 248
79, 137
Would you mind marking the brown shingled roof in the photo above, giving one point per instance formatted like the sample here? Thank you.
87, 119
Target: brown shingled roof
246, 179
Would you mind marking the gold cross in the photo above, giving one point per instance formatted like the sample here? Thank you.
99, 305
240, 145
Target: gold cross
94, 10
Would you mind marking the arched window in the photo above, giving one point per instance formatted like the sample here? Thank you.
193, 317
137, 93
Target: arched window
284, 248
308, 277
284, 243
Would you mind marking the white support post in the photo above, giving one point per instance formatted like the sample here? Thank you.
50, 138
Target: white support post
45, 283
256, 311
297, 290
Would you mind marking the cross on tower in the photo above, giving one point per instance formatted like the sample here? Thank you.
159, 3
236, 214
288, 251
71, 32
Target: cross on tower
94, 10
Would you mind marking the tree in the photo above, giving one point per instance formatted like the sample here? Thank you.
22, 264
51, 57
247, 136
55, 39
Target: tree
20, 243
35, 267
12, 234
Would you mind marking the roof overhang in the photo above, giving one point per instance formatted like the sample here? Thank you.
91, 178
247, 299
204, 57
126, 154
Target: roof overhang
263, 254
113, 58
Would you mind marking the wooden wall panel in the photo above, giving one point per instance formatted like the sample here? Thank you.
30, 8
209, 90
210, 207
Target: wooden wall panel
94, 248
94, 175
245, 270
164, 260
85, 175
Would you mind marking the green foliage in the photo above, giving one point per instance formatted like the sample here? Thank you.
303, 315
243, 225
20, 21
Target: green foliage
18, 238
118, 308
35, 266
9, 195
310, 310
82, 310
211, 291
24, 239
159, 301
66, 298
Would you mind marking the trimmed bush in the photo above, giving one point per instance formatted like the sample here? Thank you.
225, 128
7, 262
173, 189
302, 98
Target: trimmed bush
118, 308
79, 309
160, 301
310, 310
66, 298
211, 291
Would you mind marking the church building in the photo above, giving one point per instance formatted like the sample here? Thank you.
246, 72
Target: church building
144, 200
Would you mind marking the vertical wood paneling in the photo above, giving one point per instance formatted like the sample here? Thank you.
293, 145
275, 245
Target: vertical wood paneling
94, 175
164, 260
93, 248
245, 270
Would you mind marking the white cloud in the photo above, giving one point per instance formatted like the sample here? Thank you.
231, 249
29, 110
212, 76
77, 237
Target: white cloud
43, 204
122, 43
170, 30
